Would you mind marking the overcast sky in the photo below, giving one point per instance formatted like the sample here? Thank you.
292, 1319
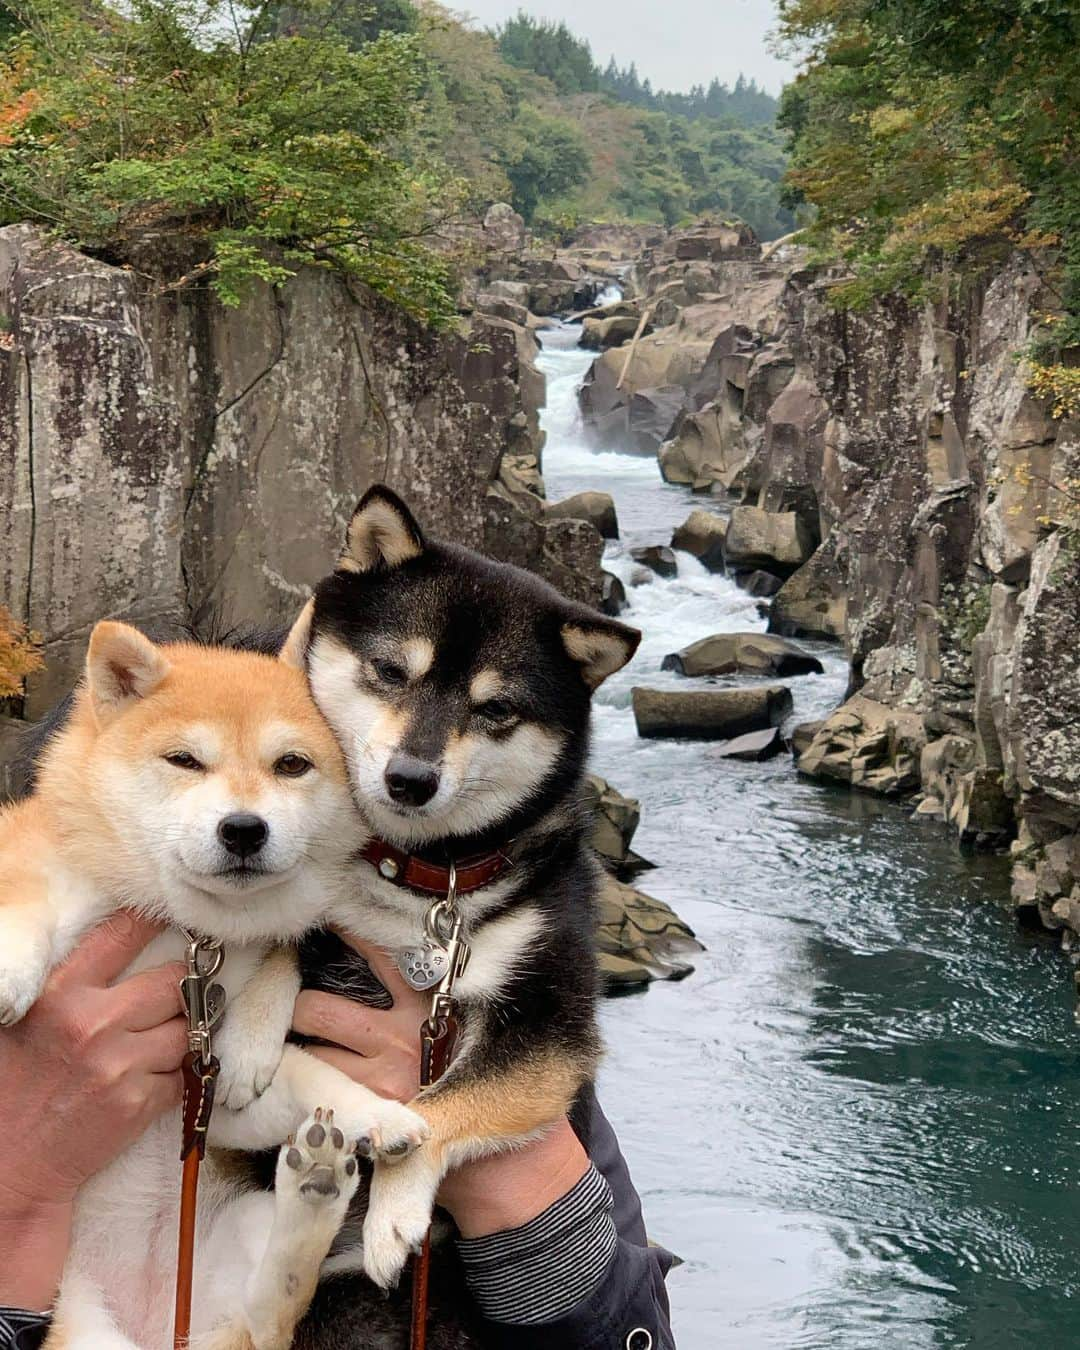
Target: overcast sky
676, 43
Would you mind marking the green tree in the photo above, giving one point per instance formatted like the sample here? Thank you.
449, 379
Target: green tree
275, 150
548, 158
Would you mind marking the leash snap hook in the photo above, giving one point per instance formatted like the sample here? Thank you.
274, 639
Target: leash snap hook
204, 1001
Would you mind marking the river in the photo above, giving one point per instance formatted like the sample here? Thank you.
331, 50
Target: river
855, 1121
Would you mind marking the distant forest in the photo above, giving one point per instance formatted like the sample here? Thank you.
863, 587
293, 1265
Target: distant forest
713, 148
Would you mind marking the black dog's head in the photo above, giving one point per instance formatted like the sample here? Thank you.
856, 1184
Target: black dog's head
459, 688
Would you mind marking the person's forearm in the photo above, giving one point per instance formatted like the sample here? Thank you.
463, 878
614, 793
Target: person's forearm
510, 1189
34, 1240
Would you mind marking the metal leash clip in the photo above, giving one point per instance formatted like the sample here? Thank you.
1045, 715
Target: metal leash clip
205, 1002
443, 924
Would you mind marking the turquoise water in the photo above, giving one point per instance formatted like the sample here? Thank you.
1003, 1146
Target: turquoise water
856, 1121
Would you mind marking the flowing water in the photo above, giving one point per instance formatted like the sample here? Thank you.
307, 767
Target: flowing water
856, 1121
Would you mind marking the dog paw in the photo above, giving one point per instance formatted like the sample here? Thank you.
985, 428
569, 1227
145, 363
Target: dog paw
246, 1071
396, 1225
387, 1131
318, 1167
19, 990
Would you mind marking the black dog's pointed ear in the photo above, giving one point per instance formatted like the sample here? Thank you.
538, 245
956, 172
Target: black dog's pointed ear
600, 646
382, 533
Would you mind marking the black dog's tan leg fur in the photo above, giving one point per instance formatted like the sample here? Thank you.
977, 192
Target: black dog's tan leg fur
469, 1117
506, 1106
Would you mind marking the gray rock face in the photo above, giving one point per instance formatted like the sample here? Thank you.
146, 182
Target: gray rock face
868, 745
702, 535
164, 459
753, 653
712, 714
755, 747
657, 559
598, 508
774, 540
598, 334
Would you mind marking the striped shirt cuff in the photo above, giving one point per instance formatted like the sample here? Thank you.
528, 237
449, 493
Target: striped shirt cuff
21, 1330
544, 1269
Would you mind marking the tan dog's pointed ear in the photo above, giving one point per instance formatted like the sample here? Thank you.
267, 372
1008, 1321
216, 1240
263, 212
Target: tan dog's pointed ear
382, 533
599, 646
294, 650
122, 666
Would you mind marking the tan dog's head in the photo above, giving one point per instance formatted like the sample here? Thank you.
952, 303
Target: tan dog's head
219, 779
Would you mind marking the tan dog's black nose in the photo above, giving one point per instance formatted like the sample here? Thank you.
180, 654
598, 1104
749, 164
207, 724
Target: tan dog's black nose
243, 834
413, 782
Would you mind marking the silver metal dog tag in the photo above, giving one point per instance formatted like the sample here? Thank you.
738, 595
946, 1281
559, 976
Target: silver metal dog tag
423, 967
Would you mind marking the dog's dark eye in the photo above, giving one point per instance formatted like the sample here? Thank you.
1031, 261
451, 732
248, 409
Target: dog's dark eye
391, 673
181, 759
293, 766
496, 710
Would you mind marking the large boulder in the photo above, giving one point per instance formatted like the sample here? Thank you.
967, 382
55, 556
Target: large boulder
702, 535
813, 602
599, 334
709, 714
598, 508
868, 745
753, 653
639, 939
777, 541
504, 229
615, 818
657, 559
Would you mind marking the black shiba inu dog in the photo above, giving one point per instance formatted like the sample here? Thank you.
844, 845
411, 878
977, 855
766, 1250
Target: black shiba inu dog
459, 690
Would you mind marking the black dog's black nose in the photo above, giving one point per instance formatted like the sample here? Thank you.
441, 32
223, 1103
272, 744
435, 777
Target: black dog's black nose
412, 781
243, 834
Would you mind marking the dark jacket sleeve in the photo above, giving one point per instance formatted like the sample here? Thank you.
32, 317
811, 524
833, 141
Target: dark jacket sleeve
21, 1330
627, 1307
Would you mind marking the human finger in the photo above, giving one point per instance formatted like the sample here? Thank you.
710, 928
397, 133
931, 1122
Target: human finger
161, 1049
149, 998
331, 1017
164, 1092
383, 967
107, 952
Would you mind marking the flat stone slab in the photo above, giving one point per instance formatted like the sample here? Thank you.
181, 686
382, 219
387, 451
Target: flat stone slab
755, 746
709, 714
756, 653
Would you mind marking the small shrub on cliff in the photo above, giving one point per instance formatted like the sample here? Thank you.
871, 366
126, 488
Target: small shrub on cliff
20, 654
922, 130
204, 118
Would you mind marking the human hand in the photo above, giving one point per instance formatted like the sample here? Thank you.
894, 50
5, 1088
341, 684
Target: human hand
89, 1067
381, 1050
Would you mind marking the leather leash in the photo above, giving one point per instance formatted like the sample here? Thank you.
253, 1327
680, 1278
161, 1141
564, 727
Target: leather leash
205, 1002
438, 1037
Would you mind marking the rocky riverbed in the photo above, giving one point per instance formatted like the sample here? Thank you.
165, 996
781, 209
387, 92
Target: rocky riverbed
853, 1121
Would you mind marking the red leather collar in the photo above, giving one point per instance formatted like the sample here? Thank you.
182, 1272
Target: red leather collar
404, 869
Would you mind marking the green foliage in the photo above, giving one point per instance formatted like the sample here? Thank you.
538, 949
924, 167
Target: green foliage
195, 117
653, 155
551, 50
547, 159
923, 131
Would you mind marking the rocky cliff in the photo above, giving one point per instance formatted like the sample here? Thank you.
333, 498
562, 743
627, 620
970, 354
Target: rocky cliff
164, 459
897, 459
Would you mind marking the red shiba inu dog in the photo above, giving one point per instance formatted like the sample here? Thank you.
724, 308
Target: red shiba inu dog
202, 787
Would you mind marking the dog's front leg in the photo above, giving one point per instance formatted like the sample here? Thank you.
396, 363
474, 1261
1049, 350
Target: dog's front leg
251, 1039
469, 1117
303, 1083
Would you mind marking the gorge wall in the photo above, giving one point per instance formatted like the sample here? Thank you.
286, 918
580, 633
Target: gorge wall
900, 488
165, 460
